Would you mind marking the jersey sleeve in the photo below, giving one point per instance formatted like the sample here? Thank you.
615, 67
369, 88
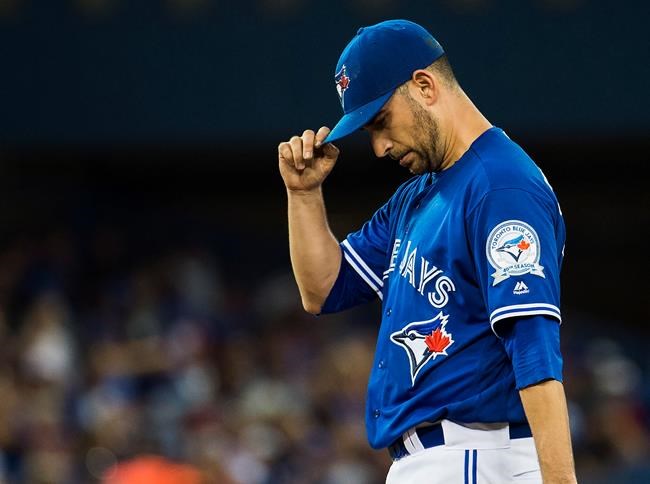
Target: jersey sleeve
518, 238
533, 346
362, 266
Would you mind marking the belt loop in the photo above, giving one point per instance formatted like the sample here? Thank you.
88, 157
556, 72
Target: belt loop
412, 441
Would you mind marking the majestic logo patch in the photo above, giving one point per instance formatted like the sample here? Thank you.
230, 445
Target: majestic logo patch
342, 83
423, 341
513, 249
520, 288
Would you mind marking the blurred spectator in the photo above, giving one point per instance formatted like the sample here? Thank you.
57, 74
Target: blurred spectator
152, 470
148, 363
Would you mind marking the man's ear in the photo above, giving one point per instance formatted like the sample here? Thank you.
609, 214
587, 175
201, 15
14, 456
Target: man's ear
426, 85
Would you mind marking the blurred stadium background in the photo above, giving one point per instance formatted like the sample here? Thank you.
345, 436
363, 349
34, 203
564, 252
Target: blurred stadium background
147, 308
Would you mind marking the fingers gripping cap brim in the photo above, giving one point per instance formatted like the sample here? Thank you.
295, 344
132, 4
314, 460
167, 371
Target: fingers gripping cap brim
357, 119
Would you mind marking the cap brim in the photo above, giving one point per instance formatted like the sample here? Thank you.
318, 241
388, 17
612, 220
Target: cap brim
358, 118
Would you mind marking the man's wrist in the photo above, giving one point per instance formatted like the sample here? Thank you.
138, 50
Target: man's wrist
316, 192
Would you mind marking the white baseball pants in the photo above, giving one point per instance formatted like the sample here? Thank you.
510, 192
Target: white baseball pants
471, 454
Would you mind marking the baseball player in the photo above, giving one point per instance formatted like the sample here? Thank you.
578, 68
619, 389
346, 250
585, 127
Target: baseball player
465, 258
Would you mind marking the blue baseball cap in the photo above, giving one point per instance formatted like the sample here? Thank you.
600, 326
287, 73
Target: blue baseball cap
378, 60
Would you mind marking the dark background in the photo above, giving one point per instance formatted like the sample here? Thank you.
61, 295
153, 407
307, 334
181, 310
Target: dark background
143, 249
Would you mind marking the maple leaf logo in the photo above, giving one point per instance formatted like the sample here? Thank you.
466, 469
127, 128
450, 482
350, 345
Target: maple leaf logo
523, 245
423, 342
342, 83
437, 341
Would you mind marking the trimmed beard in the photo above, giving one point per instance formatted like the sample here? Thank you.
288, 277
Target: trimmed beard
426, 134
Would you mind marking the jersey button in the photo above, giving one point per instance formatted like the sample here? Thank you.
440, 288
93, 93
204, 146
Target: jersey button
389, 311
376, 413
381, 365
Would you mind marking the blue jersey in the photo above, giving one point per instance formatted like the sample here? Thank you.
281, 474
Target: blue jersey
453, 255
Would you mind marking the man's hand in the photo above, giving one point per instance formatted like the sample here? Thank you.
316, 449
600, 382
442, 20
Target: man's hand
305, 162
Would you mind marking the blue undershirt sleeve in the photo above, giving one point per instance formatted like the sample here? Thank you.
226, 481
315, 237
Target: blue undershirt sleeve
533, 346
349, 290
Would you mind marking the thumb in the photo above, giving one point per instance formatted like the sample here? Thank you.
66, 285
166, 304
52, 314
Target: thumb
330, 151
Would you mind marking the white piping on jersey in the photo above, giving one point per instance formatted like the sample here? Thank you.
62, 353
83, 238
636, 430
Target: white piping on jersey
354, 254
524, 310
526, 313
559, 209
524, 306
362, 274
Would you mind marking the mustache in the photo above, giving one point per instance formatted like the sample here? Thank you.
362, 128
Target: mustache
399, 156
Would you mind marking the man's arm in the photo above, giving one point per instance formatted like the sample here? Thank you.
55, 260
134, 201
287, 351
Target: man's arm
315, 253
546, 410
533, 345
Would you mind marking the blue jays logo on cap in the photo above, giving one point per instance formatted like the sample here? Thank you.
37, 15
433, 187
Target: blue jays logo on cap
379, 59
423, 341
342, 83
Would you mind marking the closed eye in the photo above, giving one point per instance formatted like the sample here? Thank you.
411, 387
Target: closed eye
378, 121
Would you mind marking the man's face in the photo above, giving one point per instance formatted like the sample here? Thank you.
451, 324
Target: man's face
406, 132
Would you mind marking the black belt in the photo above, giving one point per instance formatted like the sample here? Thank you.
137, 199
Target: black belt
432, 436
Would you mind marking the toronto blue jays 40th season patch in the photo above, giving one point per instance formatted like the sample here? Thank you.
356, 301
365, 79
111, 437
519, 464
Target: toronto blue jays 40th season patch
513, 249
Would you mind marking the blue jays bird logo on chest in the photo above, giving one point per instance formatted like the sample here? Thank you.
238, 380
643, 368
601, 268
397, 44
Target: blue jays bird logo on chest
423, 342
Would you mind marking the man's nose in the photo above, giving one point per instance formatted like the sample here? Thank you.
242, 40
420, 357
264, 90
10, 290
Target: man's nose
380, 145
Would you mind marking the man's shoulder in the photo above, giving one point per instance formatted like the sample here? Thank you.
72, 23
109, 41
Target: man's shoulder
505, 164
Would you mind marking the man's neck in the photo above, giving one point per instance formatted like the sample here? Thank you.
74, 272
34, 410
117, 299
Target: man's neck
466, 124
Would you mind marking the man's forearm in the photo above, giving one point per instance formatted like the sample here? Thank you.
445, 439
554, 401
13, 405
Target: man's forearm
315, 252
546, 410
